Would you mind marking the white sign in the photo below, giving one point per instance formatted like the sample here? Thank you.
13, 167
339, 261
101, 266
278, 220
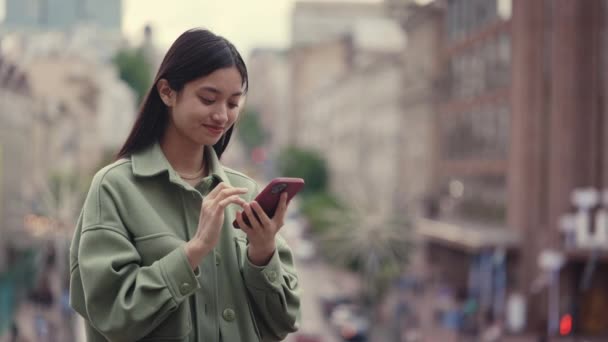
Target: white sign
516, 313
577, 226
550, 260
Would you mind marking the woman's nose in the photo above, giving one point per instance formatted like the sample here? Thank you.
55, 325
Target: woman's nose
221, 114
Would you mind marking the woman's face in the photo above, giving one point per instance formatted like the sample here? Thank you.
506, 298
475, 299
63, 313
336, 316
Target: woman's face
206, 107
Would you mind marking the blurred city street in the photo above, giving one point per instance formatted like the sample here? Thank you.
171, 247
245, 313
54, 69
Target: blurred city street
454, 152
318, 280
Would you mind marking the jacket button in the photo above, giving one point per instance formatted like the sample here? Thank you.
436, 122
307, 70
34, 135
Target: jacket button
272, 276
185, 288
229, 315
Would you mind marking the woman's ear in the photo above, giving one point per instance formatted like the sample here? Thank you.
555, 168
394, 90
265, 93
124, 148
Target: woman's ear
167, 95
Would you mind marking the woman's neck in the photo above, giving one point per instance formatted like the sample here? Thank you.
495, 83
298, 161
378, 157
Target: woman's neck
185, 157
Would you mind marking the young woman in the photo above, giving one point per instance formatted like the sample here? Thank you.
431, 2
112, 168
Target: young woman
154, 256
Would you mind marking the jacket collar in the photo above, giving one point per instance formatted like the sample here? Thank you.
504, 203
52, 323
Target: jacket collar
151, 161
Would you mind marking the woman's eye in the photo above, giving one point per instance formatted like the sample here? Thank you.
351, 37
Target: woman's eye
233, 105
206, 101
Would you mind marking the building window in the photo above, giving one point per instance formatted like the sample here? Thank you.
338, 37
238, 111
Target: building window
466, 16
478, 134
481, 69
483, 198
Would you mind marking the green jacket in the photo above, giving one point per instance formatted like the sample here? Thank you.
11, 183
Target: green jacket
129, 275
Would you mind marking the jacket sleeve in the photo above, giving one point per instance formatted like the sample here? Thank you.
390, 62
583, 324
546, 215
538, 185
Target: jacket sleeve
275, 294
123, 300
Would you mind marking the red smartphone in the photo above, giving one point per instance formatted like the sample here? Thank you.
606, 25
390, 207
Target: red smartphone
269, 198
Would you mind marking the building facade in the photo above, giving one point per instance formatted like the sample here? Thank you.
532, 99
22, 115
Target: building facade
558, 145
522, 130
419, 122
467, 251
269, 95
474, 112
315, 59
347, 102
16, 159
356, 125
88, 113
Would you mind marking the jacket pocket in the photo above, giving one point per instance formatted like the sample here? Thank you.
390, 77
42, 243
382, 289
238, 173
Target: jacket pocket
176, 327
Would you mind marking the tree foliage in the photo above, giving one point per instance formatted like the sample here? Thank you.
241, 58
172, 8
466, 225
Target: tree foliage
134, 69
250, 130
306, 164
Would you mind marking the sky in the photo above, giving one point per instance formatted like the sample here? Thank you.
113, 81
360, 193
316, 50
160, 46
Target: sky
246, 23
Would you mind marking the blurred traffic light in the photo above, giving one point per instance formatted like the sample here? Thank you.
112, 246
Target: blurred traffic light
565, 325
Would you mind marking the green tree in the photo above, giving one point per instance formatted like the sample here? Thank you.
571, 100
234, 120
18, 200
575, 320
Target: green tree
250, 130
134, 69
316, 207
375, 246
306, 164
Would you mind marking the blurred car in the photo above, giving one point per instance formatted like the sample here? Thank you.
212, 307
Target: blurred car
328, 303
304, 250
350, 323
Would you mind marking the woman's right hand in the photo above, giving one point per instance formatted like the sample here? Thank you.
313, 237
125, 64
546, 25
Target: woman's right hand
211, 220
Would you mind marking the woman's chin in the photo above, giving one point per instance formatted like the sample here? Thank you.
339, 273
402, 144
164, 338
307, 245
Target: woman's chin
206, 140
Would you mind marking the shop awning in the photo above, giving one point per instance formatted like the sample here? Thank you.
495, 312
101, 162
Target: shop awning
469, 236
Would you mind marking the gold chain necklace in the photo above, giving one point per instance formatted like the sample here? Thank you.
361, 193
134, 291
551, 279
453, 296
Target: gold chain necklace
194, 176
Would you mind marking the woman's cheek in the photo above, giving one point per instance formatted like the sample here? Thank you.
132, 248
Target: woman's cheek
233, 117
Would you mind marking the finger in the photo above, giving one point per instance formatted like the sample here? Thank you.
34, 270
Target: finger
264, 219
234, 199
254, 223
279, 215
229, 192
213, 193
244, 226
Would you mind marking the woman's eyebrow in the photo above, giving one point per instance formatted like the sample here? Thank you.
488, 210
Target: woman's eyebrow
216, 91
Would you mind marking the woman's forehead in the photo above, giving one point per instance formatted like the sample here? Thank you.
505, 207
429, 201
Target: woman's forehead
227, 81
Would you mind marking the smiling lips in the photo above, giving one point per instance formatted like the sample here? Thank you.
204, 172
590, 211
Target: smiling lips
215, 130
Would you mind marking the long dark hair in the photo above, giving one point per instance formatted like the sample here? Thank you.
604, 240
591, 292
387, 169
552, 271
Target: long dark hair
195, 53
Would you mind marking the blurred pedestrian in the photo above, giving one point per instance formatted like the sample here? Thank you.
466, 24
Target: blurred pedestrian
41, 326
493, 330
14, 337
154, 255
42, 294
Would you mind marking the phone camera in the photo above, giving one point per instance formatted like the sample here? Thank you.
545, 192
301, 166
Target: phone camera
278, 188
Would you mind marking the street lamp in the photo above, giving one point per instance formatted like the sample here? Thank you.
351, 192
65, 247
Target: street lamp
551, 262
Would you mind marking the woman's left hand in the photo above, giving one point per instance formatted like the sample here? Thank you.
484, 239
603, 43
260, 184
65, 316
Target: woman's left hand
261, 232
